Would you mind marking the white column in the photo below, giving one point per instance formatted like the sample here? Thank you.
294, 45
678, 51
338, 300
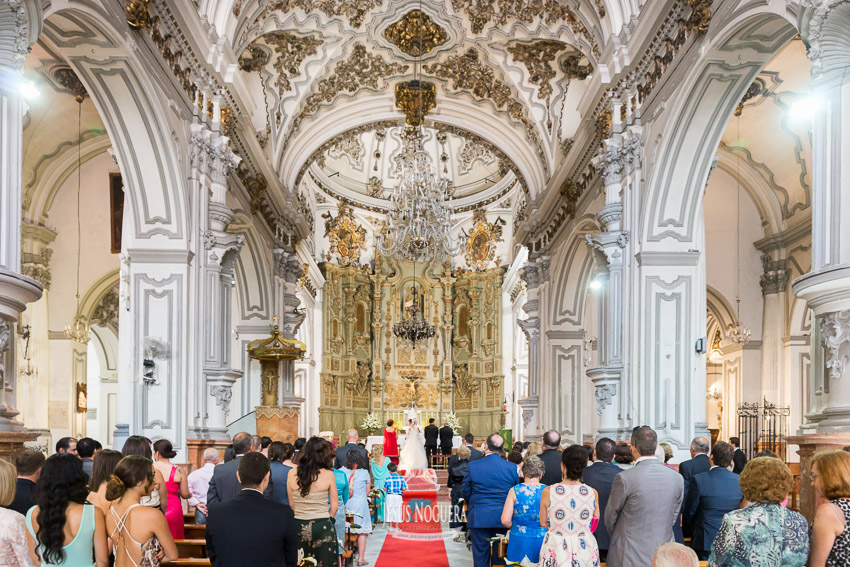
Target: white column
288, 270
531, 327
773, 282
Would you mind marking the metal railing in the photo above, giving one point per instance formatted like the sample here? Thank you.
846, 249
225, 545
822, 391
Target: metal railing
763, 427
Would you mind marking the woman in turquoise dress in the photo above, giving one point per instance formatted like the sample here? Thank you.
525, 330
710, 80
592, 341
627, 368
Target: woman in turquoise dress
357, 470
342, 494
522, 515
379, 475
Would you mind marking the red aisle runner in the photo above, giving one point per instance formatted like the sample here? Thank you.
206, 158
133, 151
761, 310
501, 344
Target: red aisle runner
424, 546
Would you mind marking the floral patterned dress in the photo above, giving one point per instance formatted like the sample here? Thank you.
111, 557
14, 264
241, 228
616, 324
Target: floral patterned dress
527, 534
569, 542
840, 553
761, 535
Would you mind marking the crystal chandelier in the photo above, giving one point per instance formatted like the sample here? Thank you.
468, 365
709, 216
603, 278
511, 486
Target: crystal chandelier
78, 329
738, 334
414, 327
419, 218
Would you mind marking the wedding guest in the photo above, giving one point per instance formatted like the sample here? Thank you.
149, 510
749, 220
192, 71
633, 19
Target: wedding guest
740, 459
28, 464
698, 463
67, 445
675, 555
395, 486
668, 454
229, 453
712, 494
224, 483
351, 445
380, 472
830, 545
104, 465
359, 486
391, 442
474, 453
645, 501
590, 453
458, 469
551, 458
623, 456
265, 443
600, 477
256, 443
199, 485
521, 514
140, 534
313, 498
13, 539
85, 451
298, 446
279, 472
570, 510
61, 528
288, 454
447, 435
343, 493
141, 446
515, 457
250, 529
485, 489
533, 449
177, 486
746, 534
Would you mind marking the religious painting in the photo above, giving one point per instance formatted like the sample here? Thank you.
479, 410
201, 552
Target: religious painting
82, 398
116, 211
480, 248
347, 238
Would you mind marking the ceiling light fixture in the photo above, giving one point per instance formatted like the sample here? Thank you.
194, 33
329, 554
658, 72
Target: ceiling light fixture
414, 328
419, 220
78, 329
738, 334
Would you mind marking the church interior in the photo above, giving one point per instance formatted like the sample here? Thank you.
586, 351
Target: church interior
635, 218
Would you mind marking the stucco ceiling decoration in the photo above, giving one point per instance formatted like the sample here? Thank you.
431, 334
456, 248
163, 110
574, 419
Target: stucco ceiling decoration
66, 77
286, 51
415, 99
416, 33
352, 10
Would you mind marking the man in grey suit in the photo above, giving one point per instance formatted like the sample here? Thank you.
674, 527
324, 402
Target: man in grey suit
645, 500
224, 483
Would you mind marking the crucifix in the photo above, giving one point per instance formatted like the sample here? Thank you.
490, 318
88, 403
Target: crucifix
275, 319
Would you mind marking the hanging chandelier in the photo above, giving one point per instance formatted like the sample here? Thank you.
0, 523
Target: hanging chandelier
419, 219
738, 334
414, 328
78, 329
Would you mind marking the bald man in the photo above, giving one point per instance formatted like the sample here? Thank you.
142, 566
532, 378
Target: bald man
199, 484
351, 445
698, 463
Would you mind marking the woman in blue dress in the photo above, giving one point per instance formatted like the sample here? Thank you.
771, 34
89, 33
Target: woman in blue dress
522, 515
357, 470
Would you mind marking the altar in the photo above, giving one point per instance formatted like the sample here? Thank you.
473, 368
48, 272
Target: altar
373, 440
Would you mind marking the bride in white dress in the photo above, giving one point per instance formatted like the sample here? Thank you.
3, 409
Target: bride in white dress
412, 455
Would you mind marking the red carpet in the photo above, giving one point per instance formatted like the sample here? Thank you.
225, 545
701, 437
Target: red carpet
421, 538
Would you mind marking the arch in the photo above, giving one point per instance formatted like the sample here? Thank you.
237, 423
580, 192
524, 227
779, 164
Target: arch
96, 292
756, 187
692, 131
251, 272
573, 267
137, 122
720, 311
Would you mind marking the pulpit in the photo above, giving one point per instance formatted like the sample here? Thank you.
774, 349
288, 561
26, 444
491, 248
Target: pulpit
277, 416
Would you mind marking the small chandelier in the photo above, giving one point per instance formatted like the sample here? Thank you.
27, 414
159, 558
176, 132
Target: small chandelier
738, 334
78, 329
414, 327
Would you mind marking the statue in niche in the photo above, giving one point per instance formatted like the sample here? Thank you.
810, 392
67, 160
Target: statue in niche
414, 303
269, 377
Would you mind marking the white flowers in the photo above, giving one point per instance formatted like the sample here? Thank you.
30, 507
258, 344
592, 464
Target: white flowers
371, 422
454, 423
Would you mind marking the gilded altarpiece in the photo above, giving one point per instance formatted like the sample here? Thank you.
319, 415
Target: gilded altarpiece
366, 368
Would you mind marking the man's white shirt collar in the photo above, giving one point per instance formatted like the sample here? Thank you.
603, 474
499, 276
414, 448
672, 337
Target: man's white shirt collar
646, 458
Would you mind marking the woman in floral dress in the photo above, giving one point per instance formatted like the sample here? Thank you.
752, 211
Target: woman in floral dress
570, 510
522, 515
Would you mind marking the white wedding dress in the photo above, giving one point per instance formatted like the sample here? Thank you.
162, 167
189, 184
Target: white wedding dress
412, 456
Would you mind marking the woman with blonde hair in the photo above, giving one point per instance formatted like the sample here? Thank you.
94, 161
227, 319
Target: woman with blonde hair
830, 546
534, 449
380, 473
13, 532
763, 533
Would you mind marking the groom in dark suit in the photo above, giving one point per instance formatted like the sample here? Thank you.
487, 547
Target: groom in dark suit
446, 437
431, 433
486, 488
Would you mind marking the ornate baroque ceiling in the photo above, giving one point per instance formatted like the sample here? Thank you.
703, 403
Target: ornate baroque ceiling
501, 81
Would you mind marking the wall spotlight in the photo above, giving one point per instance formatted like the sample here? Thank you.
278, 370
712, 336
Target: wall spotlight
805, 108
595, 284
28, 90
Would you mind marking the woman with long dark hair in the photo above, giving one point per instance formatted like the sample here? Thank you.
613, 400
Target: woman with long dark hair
104, 463
141, 446
177, 485
140, 534
313, 497
61, 528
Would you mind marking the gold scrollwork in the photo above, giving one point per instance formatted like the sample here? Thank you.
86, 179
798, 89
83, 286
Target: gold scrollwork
465, 386
415, 99
347, 238
480, 248
416, 33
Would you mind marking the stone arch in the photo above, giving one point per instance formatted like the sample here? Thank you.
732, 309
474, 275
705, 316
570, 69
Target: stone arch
251, 272
122, 91
573, 267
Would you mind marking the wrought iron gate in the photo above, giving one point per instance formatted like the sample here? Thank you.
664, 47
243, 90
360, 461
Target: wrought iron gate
763, 428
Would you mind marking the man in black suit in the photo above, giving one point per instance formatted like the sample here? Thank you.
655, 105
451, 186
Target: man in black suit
224, 483
551, 458
431, 434
600, 476
739, 459
446, 436
250, 529
352, 445
28, 464
474, 454
712, 494
699, 463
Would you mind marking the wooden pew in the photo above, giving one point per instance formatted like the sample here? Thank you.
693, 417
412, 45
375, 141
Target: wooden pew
196, 548
191, 531
198, 561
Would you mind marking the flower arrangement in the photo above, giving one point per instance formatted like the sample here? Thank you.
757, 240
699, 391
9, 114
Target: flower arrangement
371, 422
454, 422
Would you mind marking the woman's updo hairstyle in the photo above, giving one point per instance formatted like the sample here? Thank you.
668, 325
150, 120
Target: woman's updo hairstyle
164, 448
131, 471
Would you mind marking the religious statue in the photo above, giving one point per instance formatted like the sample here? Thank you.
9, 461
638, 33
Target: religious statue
412, 388
269, 377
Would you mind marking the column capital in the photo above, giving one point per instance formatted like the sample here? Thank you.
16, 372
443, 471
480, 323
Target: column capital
835, 336
776, 275
824, 29
24, 27
608, 247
